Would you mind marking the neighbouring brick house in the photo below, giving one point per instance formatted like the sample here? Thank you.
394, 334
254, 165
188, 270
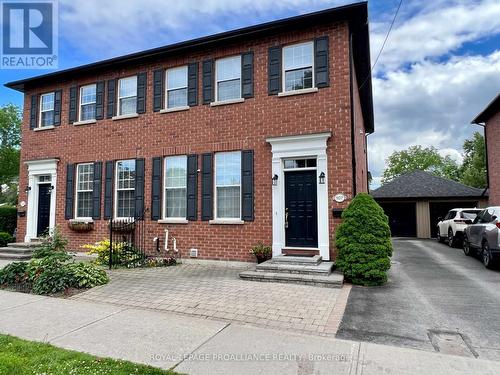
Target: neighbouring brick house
257, 134
489, 118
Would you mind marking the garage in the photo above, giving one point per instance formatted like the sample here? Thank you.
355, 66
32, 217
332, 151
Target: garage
415, 201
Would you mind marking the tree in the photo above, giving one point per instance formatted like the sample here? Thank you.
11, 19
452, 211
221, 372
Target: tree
420, 158
363, 242
473, 169
10, 140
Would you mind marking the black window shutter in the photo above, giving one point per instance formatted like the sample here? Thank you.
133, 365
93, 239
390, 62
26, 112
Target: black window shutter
274, 70
192, 187
139, 188
70, 191
156, 192
99, 100
158, 84
247, 185
57, 107
73, 103
142, 79
321, 69
208, 81
111, 109
247, 75
34, 111
108, 190
96, 193
193, 84
207, 187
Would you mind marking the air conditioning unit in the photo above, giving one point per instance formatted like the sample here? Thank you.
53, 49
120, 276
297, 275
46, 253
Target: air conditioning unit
193, 253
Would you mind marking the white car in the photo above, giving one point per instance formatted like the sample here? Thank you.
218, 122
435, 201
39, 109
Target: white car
451, 227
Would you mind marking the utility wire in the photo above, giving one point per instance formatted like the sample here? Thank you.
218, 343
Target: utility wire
383, 44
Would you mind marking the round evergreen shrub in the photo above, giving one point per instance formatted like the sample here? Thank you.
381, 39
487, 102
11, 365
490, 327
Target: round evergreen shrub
363, 242
5, 238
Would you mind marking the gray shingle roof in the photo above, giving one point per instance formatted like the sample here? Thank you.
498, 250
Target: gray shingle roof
420, 184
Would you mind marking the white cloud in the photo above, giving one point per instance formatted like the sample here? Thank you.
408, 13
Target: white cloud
436, 29
431, 104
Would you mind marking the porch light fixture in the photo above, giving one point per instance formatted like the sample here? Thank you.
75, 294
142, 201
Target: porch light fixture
322, 178
275, 180
28, 189
51, 188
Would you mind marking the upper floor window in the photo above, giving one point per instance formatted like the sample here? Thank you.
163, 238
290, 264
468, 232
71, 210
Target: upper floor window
228, 185
84, 190
87, 102
177, 87
175, 187
47, 109
127, 96
228, 78
298, 66
125, 189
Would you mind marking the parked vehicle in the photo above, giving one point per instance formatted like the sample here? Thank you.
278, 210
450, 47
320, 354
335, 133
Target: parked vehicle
483, 236
451, 227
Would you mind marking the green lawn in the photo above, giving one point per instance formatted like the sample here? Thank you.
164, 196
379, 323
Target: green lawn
19, 357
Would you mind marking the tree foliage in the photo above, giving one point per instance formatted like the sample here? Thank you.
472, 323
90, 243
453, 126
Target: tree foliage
474, 165
10, 140
363, 241
420, 158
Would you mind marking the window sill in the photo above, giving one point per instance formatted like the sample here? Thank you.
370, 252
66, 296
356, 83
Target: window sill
86, 220
226, 222
123, 117
226, 102
298, 92
86, 122
44, 128
176, 109
173, 221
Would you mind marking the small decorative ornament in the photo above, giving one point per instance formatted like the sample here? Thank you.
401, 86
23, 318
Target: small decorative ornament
339, 198
22, 204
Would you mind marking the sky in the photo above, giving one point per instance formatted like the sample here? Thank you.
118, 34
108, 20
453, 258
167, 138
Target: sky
439, 67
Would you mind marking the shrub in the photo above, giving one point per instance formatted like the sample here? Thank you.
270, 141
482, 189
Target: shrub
52, 280
13, 273
8, 219
363, 241
53, 246
123, 252
5, 238
85, 275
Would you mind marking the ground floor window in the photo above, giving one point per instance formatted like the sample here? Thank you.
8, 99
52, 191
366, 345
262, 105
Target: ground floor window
175, 187
228, 185
84, 189
125, 189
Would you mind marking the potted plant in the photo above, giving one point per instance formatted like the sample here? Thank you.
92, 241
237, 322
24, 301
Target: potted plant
261, 252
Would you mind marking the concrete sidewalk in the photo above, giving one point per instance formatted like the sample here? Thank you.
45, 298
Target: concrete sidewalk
206, 346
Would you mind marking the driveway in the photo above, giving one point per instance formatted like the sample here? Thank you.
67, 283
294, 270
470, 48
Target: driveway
436, 299
217, 292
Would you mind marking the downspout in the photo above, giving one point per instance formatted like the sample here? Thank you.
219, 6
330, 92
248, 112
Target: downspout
351, 84
487, 162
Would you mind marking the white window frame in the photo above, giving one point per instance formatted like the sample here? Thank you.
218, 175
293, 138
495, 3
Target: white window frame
81, 191
86, 103
176, 88
125, 97
47, 110
164, 215
216, 217
225, 80
283, 70
115, 205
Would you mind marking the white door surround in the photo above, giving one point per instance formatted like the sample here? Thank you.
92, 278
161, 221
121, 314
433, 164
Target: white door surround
300, 146
37, 168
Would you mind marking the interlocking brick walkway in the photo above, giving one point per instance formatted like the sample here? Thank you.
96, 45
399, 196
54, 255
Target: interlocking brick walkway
217, 292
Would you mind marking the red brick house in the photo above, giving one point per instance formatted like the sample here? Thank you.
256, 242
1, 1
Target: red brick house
489, 118
257, 134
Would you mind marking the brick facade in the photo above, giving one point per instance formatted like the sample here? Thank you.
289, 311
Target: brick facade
204, 128
492, 130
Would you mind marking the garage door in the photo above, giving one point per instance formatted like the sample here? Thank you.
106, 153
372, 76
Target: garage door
440, 209
402, 218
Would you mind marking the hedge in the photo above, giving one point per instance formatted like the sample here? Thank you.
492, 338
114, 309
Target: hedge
8, 219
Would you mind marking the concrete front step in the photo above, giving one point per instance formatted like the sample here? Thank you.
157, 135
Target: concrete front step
290, 259
333, 280
15, 256
24, 245
323, 268
14, 250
